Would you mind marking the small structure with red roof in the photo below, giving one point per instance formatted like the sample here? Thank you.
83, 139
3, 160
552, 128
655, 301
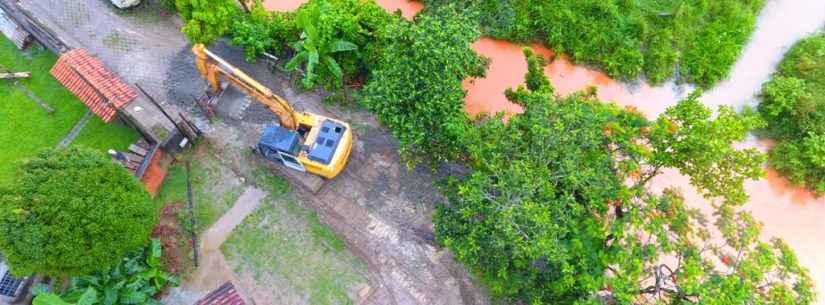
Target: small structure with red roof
100, 89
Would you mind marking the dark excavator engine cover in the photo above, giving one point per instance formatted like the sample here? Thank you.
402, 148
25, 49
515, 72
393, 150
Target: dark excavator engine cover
327, 141
276, 138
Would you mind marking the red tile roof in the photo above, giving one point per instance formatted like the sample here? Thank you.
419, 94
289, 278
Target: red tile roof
89, 80
225, 295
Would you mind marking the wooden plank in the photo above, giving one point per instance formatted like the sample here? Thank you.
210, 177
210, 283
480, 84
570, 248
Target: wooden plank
131, 157
15, 75
138, 150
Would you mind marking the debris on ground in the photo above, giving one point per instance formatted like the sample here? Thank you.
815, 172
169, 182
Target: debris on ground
15, 75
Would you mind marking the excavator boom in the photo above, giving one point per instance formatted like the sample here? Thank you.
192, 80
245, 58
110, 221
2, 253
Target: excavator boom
303, 141
213, 67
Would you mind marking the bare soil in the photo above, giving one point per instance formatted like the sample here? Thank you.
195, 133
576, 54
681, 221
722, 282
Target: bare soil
382, 209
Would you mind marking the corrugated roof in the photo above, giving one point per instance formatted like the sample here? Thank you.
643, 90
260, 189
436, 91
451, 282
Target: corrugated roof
225, 295
93, 83
13, 31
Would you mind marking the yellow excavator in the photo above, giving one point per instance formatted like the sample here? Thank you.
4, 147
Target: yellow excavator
303, 141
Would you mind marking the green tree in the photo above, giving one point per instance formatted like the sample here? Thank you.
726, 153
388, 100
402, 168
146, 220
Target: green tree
314, 51
558, 207
207, 20
793, 104
72, 211
415, 89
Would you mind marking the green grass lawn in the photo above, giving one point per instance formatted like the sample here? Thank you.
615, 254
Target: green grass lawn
26, 128
282, 248
212, 194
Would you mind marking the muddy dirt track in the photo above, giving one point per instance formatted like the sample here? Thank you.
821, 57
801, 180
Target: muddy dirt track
382, 210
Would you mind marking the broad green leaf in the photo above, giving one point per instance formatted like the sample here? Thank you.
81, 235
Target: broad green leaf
296, 61
342, 45
155, 252
89, 297
334, 68
131, 296
49, 299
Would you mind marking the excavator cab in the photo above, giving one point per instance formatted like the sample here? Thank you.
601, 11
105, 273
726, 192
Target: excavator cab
289, 146
302, 141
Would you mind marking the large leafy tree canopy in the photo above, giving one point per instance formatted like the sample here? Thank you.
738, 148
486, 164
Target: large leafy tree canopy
793, 103
72, 211
415, 89
558, 207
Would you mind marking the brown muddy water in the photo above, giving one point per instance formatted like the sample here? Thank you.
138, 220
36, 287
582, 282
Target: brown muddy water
788, 212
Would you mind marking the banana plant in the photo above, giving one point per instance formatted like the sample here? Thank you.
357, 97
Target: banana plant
134, 281
87, 296
313, 51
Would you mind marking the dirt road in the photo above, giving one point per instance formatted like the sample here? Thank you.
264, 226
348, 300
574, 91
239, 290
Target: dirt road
382, 209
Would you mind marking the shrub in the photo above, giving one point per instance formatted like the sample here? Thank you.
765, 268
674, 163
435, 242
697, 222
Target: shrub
133, 281
261, 31
207, 20
360, 23
72, 211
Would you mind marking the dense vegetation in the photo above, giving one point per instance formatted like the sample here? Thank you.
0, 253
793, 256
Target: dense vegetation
416, 90
625, 38
135, 280
72, 211
558, 210
207, 20
411, 72
793, 103
331, 41
557, 206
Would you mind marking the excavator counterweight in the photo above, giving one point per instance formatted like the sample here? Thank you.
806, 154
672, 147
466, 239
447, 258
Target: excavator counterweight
302, 141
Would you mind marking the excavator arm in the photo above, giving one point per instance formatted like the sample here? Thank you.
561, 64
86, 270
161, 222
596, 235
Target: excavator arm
213, 69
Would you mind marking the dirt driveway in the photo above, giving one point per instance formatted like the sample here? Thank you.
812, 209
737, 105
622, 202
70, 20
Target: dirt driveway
382, 210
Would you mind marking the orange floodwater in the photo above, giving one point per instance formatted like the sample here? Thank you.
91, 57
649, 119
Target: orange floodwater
791, 213
788, 212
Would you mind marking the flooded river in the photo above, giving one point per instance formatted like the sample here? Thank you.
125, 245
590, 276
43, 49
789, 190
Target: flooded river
787, 212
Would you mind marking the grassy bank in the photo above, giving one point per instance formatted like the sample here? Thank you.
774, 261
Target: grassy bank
26, 128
